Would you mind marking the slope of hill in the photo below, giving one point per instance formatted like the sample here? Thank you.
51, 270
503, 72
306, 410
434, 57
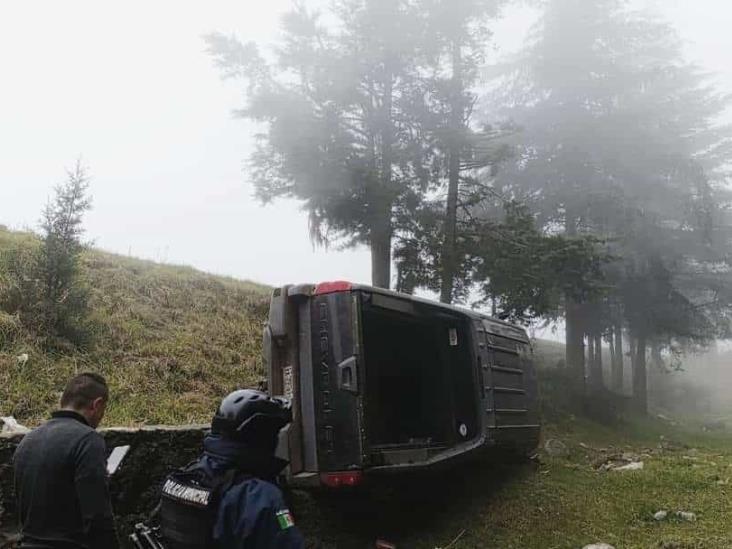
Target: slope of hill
170, 340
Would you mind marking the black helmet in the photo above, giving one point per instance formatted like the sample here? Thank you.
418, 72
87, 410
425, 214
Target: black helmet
252, 417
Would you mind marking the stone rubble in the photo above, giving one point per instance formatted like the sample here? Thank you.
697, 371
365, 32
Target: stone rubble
11, 426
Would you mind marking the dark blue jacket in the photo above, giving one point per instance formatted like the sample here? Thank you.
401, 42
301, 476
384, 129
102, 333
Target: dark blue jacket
252, 512
61, 486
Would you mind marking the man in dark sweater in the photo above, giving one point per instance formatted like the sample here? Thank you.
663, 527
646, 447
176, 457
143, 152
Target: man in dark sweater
60, 474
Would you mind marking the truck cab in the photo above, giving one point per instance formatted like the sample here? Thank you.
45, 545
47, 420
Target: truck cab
384, 382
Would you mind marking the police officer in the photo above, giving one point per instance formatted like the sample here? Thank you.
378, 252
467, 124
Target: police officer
229, 497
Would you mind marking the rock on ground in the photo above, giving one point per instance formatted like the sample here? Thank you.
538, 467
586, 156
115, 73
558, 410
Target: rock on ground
556, 448
635, 466
685, 515
11, 426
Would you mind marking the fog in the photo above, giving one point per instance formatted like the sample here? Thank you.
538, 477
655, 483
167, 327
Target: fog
696, 389
613, 137
129, 88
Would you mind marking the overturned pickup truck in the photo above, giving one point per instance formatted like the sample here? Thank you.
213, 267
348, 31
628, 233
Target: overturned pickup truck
385, 382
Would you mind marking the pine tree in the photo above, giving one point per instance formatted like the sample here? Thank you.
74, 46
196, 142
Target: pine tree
61, 305
621, 142
457, 39
341, 110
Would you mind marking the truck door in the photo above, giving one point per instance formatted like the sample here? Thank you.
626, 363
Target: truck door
337, 378
312, 356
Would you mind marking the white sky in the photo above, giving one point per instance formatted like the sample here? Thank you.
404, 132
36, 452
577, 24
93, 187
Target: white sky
127, 86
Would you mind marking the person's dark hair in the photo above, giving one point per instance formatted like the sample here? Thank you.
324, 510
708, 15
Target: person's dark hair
84, 389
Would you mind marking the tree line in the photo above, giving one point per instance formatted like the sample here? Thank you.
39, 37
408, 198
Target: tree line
582, 179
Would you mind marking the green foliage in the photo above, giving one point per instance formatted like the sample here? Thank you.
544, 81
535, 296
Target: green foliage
19, 253
42, 282
620, 139
520, 272
653, 305
528, 273
341, 114
62, 307
10, 329
170, 341
457, 38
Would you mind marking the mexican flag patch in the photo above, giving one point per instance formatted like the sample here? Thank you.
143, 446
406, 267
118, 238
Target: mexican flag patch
284, 519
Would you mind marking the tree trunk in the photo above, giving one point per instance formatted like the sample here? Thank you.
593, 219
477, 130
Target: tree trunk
632, 345
381, 253
449, 252
640, 381
574, 331
406, 282
613, 358
575, 345
611, 346
590, 359
617, 364
381, 228
657, 376
656, 357
599, 381
594, 361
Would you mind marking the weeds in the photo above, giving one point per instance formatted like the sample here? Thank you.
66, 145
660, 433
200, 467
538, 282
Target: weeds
170, 340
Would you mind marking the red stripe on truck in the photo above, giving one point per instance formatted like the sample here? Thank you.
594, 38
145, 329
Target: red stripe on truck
332, 287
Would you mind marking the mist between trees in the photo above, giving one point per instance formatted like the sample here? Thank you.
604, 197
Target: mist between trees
583, 178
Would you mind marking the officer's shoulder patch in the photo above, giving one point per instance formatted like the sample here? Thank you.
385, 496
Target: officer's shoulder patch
284, 519
185, 492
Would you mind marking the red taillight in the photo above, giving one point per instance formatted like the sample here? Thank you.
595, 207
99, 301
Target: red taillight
332, 287
341, 480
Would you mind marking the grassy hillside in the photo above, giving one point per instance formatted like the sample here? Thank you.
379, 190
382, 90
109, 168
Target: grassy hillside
170, 340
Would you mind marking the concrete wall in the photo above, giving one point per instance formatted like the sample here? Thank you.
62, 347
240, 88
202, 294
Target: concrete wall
154, 452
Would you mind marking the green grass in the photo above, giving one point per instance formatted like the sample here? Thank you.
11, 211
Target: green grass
552, 502
568, 502
170, 340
